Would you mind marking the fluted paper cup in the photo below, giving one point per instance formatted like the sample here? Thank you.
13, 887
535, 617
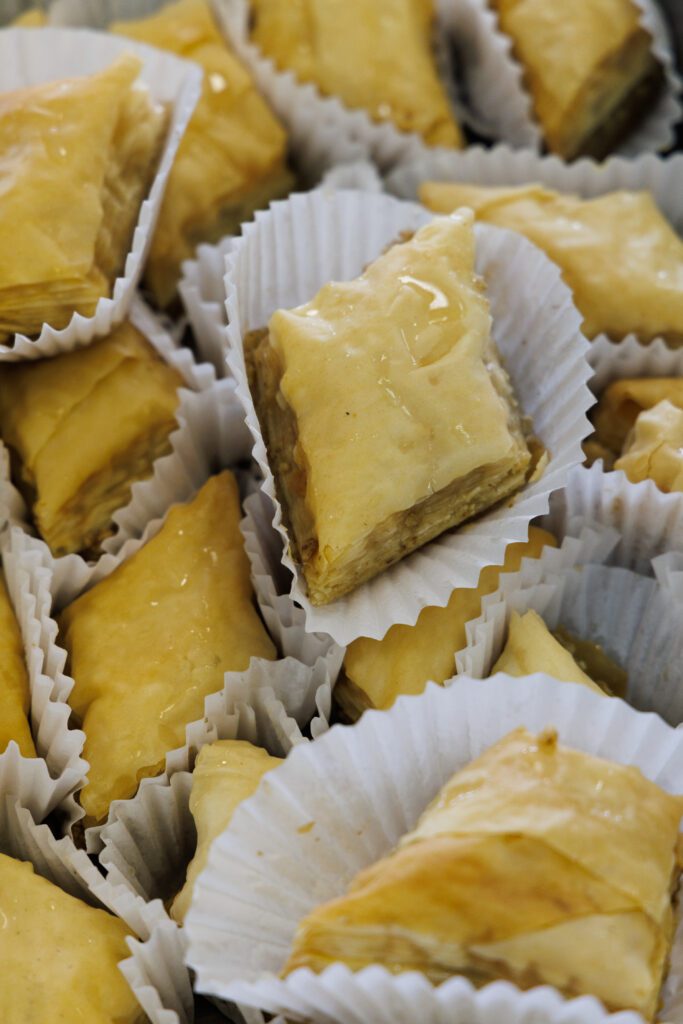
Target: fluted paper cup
498, 103
28, 57
356, 799
166, 995
298, 245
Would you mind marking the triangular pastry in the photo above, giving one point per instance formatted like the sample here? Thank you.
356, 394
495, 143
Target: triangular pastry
535, 863
387, 415
59, 956
232, 159
377, 672
151, 641
15, 697
376, 56
622, 402
79, 158
83, 427
654, 448
589, 68
226, 773
619, 255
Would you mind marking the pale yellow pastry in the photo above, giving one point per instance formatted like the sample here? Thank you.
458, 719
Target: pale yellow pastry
377, 672
232, 158
149, 642
78, 158
15, 697
588, 66
622, 402
531, 647
618, 254
536, 864
59, 956
387, 415
654, 448
226, 773
376, 56
83, 427
34, 18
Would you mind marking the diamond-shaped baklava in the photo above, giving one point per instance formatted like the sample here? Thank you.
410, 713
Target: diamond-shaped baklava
148, 643
535, 863
226, 773
589, 67
232, 158
386, 412
79, 157
82, 427
617, 252
377, 56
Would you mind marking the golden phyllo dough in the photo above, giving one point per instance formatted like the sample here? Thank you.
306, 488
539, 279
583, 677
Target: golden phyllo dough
654, 448
589, 68
15, 698
83, 427
531, 647
618, 254
232, 158
376, 56
622, 402
535, 863
147, 644
377, 672
387, 415
78, 158
59, 956
226, 773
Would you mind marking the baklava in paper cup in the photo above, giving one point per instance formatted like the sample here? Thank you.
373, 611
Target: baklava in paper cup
305, 835
299, 245
42, 783
498, 103
159, 982
28, 58
635, 619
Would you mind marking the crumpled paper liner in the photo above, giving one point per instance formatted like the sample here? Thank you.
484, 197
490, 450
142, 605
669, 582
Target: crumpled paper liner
210, 434
267, 871
165, 996
202, 288
313, 238
635, 618
497, 100
28, 57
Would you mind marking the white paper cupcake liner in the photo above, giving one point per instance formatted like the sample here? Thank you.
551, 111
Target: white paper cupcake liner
296, 246
634, 618
43, 783
202, 287
498, 103
266, 872
503, 165
210, 434
627, 358
28, 57
161, 985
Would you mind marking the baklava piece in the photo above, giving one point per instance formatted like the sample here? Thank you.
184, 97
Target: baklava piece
232, 159
226, 773
151, 641
374, 56
82, 427
377, 672
15, 696
654, 448
536, 864
386, 412
619, 255
59, 955
589, 68
531, 647
79, 158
